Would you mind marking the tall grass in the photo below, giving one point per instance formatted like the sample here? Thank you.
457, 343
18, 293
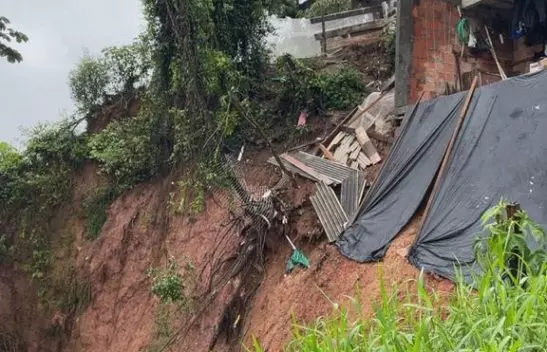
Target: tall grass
507, 310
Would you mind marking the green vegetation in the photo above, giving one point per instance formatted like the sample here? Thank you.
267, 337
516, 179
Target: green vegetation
326, 7
118, 71
389, 43
95, 209
125, 150
8, 34
169, 284
506, 312
88, 82
305, 89
174, 98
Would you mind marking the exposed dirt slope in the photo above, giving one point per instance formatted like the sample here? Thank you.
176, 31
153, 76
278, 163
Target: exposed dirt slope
141, 232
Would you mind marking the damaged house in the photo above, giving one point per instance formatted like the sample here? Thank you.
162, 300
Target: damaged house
443, 44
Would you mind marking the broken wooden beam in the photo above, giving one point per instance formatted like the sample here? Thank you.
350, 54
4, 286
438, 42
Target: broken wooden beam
326, 152
367, 146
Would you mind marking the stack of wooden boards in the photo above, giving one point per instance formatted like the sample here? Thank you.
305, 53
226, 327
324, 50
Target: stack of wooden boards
333, 210
354, 150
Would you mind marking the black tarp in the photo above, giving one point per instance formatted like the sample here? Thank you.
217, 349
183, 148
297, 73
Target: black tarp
501, 153
404, 179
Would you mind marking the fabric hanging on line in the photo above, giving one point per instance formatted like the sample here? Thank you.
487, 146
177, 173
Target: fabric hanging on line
500, 154
404, 179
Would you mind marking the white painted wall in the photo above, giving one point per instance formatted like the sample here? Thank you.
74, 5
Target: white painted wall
296, 35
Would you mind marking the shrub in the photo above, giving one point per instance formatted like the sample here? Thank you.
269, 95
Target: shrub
56, 144
168, 284
305, 89
11, 163
127, 151
342, 90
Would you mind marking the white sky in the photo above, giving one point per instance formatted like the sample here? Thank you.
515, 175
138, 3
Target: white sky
36, 89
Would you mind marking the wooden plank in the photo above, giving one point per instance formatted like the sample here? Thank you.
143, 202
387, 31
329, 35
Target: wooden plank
354, 146
307, 169
326, 152
336, 140
341, 153
293, 169
354, 154
355, 165
368, 147
350, 116
363, 161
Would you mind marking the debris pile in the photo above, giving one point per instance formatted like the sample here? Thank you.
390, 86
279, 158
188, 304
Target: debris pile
339, 169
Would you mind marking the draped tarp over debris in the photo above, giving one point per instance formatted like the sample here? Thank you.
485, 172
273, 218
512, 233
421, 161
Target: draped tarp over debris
404, 179
501, 152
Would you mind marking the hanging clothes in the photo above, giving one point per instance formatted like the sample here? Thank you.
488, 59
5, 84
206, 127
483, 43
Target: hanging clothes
530, 20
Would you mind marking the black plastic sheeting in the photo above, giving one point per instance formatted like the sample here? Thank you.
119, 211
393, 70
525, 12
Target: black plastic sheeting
404, 179
501, 153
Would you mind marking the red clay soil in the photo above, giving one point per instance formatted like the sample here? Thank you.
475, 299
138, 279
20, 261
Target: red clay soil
141, 232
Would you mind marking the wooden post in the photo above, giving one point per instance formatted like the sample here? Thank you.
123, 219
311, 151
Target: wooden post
324, 36
493, 52
444, 164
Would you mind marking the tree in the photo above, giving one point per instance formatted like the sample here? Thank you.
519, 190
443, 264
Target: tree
88, 83
6, 36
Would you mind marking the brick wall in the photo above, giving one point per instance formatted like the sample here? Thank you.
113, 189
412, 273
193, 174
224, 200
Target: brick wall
433, 64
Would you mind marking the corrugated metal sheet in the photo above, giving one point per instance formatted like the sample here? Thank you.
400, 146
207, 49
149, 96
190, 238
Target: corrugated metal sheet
362, 186
329, 210
333, 170
350, 193
291, 168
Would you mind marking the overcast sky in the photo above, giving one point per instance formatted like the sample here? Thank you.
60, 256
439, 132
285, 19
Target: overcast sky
36, 90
